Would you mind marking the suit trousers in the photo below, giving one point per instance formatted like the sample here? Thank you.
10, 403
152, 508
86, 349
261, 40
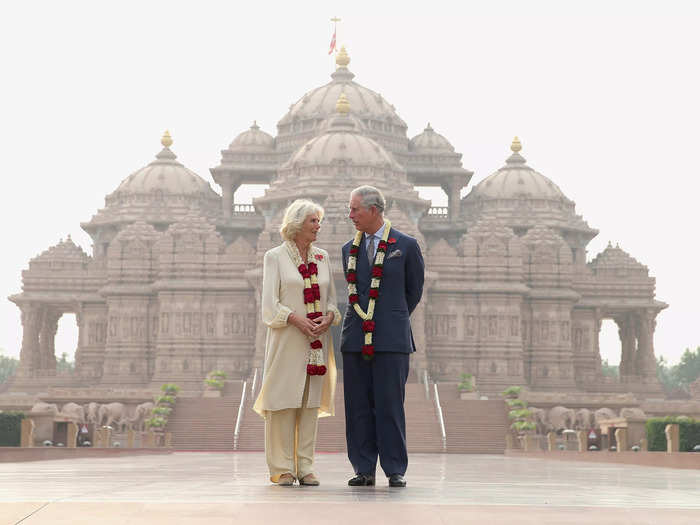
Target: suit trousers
290, 439
375, 422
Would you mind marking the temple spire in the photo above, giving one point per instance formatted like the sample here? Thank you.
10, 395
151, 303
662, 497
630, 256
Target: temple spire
166, 140
343, 105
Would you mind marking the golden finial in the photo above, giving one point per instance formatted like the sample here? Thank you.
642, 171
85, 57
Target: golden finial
342, 59
167, 140
516, 146
343, 105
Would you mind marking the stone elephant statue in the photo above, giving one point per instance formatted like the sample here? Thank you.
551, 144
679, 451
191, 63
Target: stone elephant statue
91, 412
584, 419
111, 414
561, 418
74, 411
141, 414
632, 413
539, 416
45, 407
602, 414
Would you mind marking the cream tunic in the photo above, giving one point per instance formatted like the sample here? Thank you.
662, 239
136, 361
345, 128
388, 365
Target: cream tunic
284, 374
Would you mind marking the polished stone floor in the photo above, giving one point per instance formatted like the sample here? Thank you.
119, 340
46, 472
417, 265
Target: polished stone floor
441, 488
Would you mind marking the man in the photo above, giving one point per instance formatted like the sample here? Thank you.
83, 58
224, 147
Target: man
384, 267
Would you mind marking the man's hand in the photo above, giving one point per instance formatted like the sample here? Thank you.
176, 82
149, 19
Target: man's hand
322, 323
306, 326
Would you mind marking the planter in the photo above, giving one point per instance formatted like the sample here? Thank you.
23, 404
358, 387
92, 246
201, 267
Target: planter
463, 394
211, 393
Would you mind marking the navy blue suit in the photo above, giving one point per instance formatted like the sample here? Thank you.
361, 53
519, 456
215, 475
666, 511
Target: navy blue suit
374, 390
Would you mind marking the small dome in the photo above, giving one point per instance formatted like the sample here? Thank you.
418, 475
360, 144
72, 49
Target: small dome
253, 139
164, 174
517, 180
342, 142
431, 142
616, 258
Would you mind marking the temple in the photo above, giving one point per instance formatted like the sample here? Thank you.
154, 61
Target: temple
171, 289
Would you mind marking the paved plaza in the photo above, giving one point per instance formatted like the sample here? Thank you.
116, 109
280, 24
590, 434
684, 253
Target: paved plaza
218, 488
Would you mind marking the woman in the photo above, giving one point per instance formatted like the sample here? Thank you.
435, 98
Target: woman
298, 306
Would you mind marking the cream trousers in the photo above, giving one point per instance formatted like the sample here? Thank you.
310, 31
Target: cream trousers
290, 439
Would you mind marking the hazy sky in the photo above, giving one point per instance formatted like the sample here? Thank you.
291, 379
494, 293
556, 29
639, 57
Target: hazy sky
603, 95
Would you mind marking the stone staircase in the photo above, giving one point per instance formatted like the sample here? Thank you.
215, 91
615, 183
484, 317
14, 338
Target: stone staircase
203, 423
477, 427
473, 427
422, 429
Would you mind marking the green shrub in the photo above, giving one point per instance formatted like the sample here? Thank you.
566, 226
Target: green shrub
523, 425
214, 383
466, 382
521, 413
516, 403
688, 428
170, 389
161, 411
168, 400
10, 428
512, 391
156, 422
218, 374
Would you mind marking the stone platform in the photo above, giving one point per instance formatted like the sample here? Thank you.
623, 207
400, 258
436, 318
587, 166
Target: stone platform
218, 488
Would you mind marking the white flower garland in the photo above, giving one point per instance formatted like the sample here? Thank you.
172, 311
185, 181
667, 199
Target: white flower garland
368, 324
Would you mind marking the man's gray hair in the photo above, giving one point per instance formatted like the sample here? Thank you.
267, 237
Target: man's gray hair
370, 196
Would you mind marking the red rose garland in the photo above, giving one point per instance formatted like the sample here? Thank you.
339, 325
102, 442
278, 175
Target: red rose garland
368, 324
312, 300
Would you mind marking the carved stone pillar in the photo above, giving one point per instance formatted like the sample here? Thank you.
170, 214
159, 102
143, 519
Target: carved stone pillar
47, 340
228, 188
453, 187
645, 360
29, 357
227, 201
626, 330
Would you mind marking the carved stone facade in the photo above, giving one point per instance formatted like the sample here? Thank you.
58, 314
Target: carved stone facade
172, 288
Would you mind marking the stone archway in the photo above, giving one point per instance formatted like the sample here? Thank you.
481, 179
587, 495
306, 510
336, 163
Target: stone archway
609, 346
66, 338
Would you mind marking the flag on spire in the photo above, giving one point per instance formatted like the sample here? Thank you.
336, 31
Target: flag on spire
335, 21
332, 48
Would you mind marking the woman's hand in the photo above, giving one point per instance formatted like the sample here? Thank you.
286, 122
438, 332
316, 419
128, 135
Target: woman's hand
322, 323
305, 326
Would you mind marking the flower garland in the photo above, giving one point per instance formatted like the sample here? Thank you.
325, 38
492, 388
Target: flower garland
368, 324
312, 300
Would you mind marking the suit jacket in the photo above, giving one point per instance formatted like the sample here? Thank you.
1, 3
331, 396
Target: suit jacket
400, 292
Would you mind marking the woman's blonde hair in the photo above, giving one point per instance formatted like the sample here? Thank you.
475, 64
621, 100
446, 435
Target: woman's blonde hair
295, 215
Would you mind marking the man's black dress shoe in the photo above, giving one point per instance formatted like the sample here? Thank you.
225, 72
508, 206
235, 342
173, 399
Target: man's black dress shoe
397, 480
362, 480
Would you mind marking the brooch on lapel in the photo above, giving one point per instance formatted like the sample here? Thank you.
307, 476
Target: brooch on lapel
318, 257
391, 240
395, 253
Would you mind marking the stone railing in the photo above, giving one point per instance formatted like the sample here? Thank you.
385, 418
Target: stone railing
243, 209
439, 212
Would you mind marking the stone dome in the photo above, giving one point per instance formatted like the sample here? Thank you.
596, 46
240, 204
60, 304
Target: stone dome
159, 194
253, 140
164, 174
521, 198
431, 142
319, 103
343, 142
517, 180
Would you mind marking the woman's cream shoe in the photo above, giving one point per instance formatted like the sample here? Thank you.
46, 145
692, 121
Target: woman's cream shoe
310, 479
286, 480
